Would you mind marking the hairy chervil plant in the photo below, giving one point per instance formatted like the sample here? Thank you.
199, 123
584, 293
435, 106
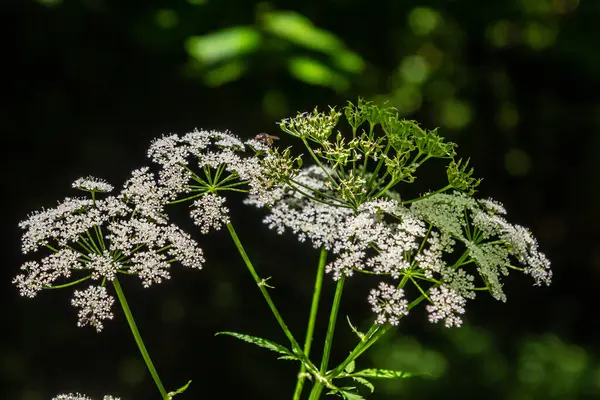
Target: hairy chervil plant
353, 201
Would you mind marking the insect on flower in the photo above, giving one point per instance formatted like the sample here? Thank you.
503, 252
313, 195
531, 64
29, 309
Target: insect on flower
266, 138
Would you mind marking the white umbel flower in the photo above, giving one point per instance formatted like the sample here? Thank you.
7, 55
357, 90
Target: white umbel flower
37, 276
94, 305
78, 396
178, 155
449, 212
143, 194
388, 303
309, 220
100, 238
447, 305
91, 184
209, 212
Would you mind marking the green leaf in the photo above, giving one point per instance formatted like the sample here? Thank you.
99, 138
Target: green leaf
364, 382
350, 395
350, 367
314, 72
223, 45
182, 389
355, 114
298, 29
227, 72
377, 373
267, 344
460, 177
293, 358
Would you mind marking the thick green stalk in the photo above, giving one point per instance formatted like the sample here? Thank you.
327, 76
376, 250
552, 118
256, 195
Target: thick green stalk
315, 393
311, 320
263, 290
138, 339
335, 307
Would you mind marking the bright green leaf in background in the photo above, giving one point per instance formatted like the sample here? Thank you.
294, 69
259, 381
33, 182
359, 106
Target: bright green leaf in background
299, 30
224, 44
316, 73
226, 73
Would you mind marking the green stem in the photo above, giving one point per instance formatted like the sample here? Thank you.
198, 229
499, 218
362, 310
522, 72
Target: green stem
392, 183
332, 320
64, 285
313, 155
311, 321
315, 393
265, 293
371, 181
319, 385
138, 339
186, 199
378, 331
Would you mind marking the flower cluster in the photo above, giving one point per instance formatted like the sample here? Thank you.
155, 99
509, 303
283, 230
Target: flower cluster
209, 212
295, 209
95, 306
78, 396
384, 237
130, 233
447, 306
185, 161
99, 238
447, 245
205, 162
315, 126
388, 303
92, 184
490, 240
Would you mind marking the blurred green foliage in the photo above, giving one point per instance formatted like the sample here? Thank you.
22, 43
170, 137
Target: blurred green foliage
277, 34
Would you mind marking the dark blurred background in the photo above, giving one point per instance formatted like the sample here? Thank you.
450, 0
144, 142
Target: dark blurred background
516, 83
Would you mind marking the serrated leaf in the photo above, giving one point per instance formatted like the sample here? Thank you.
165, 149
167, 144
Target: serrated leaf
267, 344
351, 396
383, 374
350, 367
364, 382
